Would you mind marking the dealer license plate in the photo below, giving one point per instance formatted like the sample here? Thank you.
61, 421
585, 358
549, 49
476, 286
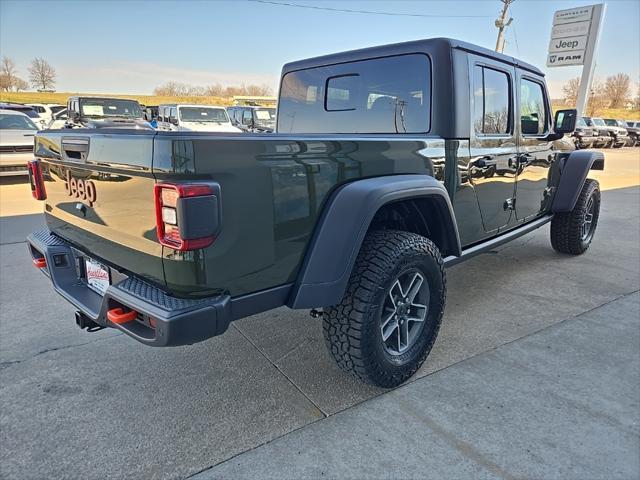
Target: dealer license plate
97, 276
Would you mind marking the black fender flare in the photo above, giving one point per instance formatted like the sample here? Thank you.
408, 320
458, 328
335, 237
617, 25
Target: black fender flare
343, 224
574, 173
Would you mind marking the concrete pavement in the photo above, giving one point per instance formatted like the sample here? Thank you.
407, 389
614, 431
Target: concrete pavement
100, 405
560, 403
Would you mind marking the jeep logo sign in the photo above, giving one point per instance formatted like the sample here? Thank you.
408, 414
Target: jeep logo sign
568, 44
79, 188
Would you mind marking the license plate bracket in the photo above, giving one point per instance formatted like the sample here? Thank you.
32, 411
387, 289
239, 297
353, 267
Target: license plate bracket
97, 275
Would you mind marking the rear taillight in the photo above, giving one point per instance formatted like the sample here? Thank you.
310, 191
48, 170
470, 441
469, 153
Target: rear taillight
187, 215
36, 180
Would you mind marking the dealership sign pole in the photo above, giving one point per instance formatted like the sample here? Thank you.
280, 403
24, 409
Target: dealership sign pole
575, 35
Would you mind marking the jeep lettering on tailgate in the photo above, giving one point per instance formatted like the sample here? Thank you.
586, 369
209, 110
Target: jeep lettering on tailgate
80, 188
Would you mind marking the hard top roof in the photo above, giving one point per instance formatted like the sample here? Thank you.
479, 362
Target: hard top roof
14, 106
96, 97
416, 46
11, 112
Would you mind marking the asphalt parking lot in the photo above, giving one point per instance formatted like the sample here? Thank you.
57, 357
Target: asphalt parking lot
99, 405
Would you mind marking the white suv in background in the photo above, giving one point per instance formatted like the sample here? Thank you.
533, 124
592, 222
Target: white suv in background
195, 118
46, 110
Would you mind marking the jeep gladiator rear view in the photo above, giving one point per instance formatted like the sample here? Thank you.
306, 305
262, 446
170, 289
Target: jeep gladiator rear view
387, 165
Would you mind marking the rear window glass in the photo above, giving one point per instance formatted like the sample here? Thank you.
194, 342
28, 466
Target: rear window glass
203, 114
383, 95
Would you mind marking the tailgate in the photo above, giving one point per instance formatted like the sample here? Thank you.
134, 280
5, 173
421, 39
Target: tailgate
99, 190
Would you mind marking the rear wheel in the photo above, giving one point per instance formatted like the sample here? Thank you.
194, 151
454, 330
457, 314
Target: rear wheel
572, 232
389, 318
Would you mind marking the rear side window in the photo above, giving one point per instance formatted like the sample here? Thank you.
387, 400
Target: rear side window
533, 113
383, 95
492, 105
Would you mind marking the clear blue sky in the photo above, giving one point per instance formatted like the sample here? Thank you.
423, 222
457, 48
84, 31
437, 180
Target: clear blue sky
132, 46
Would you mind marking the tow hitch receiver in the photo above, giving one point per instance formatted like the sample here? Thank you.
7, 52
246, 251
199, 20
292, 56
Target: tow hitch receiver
85, 322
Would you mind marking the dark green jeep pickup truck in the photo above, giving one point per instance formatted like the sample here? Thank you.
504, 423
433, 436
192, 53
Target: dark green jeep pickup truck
388, 164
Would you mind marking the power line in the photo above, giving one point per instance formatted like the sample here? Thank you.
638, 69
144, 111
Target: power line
366, 12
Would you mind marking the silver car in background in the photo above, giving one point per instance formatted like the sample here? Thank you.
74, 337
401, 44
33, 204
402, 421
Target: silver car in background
16, 142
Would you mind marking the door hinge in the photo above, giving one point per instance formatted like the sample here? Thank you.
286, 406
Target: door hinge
510, 204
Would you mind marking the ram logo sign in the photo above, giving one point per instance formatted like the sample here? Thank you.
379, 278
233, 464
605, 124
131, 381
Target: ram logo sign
565, 59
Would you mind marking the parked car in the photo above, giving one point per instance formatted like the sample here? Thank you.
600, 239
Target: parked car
253, 119
59, 120
584, 136
104, 112
633, 130
347, 209
150, 112
46, 110
16, 142
27, 110
618, 133
605, 139
195, 118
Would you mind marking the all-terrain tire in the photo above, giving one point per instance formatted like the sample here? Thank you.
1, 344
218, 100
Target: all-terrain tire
567, 232
352, 329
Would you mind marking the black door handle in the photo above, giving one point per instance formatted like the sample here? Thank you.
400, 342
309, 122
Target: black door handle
525, 159
483, 162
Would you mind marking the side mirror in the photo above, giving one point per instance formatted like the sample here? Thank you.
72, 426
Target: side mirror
565, 121
247, 121
75, 116
173, 121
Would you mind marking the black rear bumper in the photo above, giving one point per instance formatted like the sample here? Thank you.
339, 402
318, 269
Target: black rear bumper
162, 320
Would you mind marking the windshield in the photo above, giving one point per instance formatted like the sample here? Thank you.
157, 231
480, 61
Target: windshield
56, 108
110, 107
29, 112
581, 123
203, 114
265, 116
599, 122
16, 122
611, 122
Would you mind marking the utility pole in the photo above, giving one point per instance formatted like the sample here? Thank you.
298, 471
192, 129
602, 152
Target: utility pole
502, 23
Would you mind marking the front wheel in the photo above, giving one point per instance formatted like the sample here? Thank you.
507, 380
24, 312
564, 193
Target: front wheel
572, 232
387, 322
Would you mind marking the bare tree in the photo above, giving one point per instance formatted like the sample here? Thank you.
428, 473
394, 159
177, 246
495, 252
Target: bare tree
258, 90
41, 74
618, 90
570, 91
5, 82
8, 72
597, 99
216, 90
177, 89
19, 84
